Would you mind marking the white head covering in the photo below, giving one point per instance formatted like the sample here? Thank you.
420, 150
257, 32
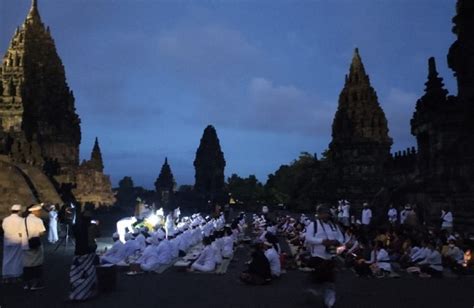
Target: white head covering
36, 207
16, 207
160, 234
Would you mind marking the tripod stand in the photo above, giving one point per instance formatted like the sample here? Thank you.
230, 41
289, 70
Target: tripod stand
64, 240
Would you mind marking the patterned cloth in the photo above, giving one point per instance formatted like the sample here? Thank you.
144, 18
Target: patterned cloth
83, 277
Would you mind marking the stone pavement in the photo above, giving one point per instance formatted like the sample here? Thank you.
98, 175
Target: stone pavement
181, 289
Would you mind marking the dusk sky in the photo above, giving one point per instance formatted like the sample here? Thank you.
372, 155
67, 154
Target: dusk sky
149, 75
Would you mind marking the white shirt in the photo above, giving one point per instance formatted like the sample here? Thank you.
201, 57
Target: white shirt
420, 254
227, 246
13, 228
345, 210
403, 216
366, 216
447, 218
325, 231
207, 257
392, 214
382, 260
433, 259
35, 228
274, 260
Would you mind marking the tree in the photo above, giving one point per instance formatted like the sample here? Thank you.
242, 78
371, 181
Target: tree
126, 192
247, 190
295, 185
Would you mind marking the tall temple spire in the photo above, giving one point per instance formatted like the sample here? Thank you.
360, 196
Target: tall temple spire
33, 16
435, 91
96, 157
357, 71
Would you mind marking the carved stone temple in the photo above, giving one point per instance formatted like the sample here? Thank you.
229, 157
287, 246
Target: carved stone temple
360, 144
40, 130
439, 173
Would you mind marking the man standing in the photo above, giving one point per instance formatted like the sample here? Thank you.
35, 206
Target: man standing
447, 220
33, 250
392, 215
323, 236
366, 219
13, 230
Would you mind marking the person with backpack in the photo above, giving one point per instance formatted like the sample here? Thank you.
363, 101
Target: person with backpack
323, 236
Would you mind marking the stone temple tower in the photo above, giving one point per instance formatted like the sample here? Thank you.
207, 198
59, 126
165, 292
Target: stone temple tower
36, 105
40, 130
360, 142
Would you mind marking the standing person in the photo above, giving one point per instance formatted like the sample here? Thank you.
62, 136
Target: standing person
33, 256
392, 215
447, 220
83, 276
346, 206
366, 219
13, 230
323, 236
53, 225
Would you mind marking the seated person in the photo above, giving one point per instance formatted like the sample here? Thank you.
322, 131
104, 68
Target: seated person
273, 258
258, 272
115, 254
432, 265
227, 244
207, 260
453, 256
379, 260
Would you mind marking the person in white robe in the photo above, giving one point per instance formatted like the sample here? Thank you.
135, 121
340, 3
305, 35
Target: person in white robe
228, 244
206, 261
392, 215
130, 248
432, 265
13, 231
366, 215
53, 225
124, 226
115, 254
447, 220
273, 258
157, 254
33, 257
217, 251
174, 244
345, 220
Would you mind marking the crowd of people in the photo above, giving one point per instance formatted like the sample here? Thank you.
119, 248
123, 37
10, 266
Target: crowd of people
399, 244
151, 240
152, 243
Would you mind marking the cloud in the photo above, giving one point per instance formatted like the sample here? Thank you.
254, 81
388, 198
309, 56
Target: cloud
399, 106
210, 51
283, 108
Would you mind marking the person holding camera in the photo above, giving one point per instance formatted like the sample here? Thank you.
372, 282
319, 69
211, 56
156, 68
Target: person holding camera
324, 236
33, 255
